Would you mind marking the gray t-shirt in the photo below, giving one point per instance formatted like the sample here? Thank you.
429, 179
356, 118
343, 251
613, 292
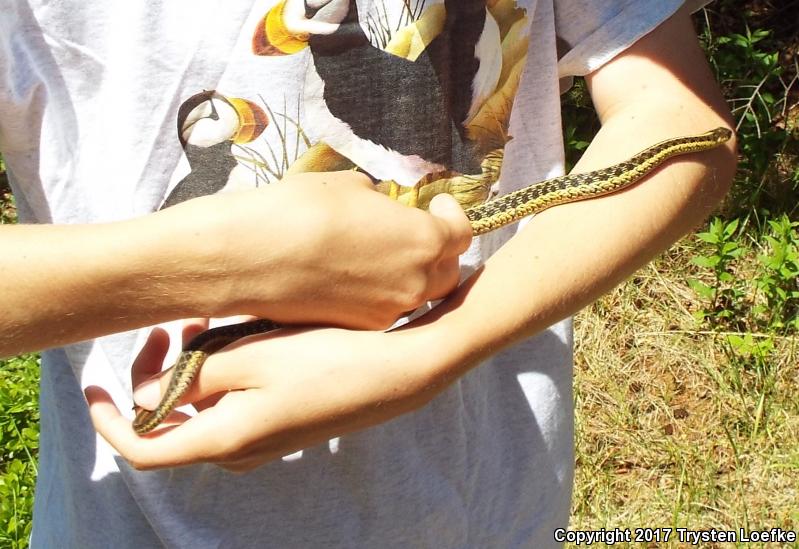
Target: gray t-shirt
111, 110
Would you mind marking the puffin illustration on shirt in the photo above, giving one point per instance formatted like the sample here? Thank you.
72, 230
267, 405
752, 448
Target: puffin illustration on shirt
209, 124
422, 107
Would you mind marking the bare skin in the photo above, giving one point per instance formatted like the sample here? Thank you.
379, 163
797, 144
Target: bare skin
307, 250
282, 398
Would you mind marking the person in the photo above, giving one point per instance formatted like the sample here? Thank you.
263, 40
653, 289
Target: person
454, 429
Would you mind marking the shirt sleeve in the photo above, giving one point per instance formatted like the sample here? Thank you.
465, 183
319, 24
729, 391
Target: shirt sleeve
592, 32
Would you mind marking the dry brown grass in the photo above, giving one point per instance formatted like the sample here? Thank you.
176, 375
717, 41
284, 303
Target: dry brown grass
672, 432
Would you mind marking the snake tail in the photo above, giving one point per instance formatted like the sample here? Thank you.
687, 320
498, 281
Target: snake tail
574, 187
188, 366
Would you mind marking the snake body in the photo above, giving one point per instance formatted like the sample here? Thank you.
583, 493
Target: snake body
484, 218
189, 363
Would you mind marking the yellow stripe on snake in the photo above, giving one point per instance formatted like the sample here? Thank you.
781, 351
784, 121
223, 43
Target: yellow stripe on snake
484, 218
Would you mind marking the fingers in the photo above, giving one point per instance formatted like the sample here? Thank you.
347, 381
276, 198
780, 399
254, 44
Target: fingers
221, 372
207, 437
235, 367
149, 363
205, 396
191, 328
216, 434
459, 230
457, 238
151, 357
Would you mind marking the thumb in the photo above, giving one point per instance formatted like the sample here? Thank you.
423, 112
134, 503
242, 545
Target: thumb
446, 209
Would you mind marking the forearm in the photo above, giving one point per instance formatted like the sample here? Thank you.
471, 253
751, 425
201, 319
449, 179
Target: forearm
64, 283
567, 257
296, 252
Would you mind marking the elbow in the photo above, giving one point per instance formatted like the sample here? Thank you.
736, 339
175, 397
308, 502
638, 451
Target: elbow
722, 163
721, 167
717, 166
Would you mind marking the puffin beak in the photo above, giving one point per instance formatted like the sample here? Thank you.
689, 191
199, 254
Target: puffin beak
273, 35
252, 120
286, 27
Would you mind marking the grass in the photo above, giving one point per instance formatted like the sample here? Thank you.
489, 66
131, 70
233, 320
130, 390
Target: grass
671, 430
19, 419
685, 375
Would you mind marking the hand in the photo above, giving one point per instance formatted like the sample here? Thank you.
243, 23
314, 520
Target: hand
332, 251
270, 395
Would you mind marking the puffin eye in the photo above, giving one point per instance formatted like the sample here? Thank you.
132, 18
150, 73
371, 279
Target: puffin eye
214, 115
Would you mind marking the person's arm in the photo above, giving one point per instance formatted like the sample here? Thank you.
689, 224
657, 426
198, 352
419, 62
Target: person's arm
303, 387
569, 256
288, 252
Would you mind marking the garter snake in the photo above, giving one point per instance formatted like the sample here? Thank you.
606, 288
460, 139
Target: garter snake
484, 218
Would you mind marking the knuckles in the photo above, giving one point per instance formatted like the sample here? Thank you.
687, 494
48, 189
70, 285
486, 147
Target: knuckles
413, 298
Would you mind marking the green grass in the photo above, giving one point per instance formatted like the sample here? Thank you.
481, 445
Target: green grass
19, 420
685, 375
